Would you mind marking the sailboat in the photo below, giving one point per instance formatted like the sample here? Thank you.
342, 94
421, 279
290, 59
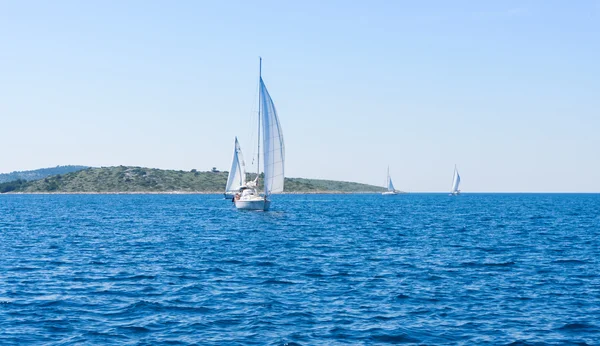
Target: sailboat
389, 185
237, 173
455, 182
273, 150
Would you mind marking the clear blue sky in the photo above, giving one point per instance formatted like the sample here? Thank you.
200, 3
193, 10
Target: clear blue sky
507, 90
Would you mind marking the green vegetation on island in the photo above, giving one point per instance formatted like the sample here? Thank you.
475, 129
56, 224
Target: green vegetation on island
38, 173
139, 179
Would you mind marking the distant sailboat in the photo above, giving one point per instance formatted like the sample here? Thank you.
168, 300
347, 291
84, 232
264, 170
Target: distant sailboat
237, 173
273, 151
389, 185
455, 182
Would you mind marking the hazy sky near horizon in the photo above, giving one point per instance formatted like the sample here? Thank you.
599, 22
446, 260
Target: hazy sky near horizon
507, 90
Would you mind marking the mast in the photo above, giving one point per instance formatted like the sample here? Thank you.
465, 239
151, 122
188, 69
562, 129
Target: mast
259, 115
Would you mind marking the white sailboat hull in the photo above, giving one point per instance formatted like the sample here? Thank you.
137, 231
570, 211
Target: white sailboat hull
260, 203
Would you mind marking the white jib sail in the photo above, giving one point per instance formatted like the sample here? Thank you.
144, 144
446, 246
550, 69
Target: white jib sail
237, 173
273, 147
390, 185
455, 180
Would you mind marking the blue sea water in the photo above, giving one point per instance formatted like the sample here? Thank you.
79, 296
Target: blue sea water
519, 269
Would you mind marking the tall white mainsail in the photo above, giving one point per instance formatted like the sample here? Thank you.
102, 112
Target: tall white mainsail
273, 146
455, 182
237, 173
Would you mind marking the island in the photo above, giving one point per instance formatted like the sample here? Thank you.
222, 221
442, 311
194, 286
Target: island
127, 179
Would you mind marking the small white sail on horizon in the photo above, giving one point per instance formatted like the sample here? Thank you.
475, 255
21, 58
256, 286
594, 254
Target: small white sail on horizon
237, 173
455, 183
390, 186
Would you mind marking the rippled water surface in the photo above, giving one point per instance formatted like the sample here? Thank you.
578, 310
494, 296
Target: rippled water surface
317, 269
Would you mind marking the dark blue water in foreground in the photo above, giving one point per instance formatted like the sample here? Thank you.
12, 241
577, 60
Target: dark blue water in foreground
185, 269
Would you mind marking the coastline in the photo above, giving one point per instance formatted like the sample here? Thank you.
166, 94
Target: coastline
180, 193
